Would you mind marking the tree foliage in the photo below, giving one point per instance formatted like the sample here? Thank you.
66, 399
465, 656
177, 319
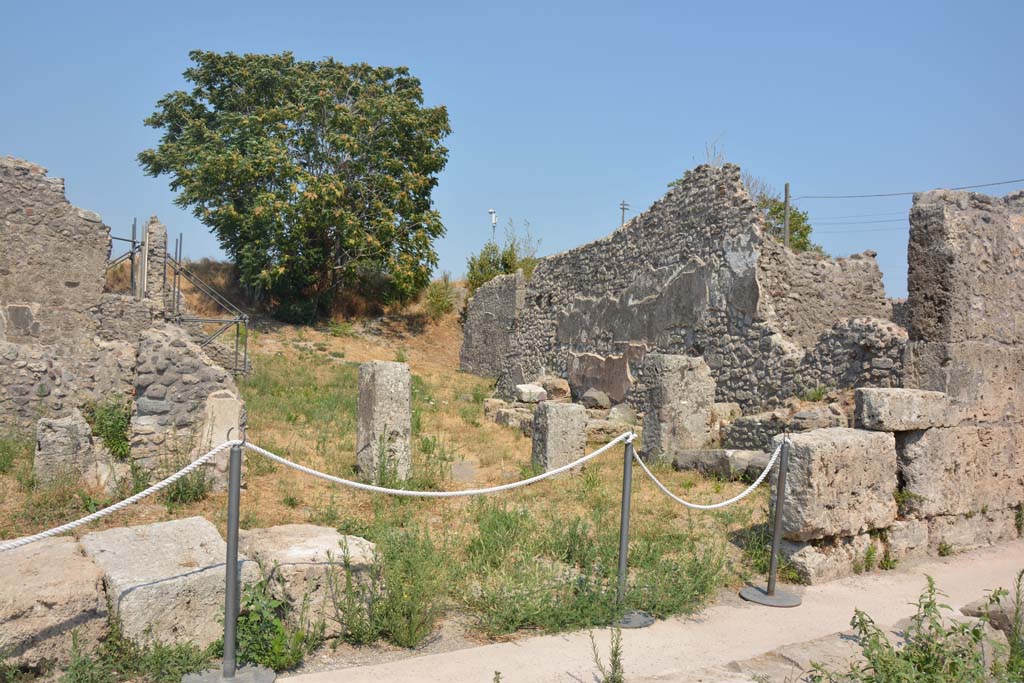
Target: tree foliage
519, 252
313, 175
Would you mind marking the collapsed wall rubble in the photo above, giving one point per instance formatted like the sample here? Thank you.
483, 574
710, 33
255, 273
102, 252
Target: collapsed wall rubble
693, 275
66, 344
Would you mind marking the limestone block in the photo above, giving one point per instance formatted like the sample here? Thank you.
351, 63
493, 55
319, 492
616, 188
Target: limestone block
963, 532
962, 470
680, 396
492, 406
559, 434
166, 580
818, 417
530, 393
222, 421
622, 413
721, 462
983, 381
819, 563
556, 388
47, 590
907, 538
841, 482
900, 410
309, 561
965, 270
385, 420
65, 447
595, 398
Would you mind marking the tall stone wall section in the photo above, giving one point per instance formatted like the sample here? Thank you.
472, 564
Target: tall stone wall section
693, 275
489, 324
64, 343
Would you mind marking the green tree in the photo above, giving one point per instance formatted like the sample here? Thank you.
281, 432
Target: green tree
774, 211
313, 175
519, 252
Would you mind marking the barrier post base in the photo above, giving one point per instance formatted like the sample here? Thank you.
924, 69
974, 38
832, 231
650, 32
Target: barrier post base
244, 674
776, 599
634, 619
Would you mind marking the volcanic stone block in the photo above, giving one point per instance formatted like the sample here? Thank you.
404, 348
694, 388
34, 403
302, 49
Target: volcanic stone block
595, 398
166, 580
965, 280
900, 410
310, 561
47, 590
841, 483
64, 447
984, 381
385, 421
680, 395
556, 388
559, 434
962, 470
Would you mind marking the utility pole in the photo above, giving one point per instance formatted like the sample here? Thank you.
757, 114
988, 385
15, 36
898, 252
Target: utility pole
625, 207
785, 220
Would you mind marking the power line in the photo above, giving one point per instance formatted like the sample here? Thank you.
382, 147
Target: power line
865, 215
888, 220
839, 232
904, 194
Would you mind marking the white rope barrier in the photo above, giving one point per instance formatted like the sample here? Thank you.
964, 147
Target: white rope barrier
714, 506
99, 514
627, 437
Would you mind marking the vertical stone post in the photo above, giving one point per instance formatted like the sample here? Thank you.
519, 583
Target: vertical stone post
559, 434
384, 421
156, 253
681, 392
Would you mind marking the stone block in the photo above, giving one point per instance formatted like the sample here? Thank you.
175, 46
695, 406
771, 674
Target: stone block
556, 388
962, 470
963, 532
166, 580
490, 315
595, 398
755, 432
65, 448
48, 590
622, 413
721, 462
965, 280
222, 420
983, 381
603, 431
309, 562
907, 538
492, 406
530, 393
384, 423
516, 418
841, 483
680, 395
834, 559
559, 434
900, 410
818, 417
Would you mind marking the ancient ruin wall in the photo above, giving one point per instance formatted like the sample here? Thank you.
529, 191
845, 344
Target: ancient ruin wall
692, 275
489, 324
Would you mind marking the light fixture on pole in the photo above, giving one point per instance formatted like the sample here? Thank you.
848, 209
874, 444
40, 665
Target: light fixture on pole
494, 221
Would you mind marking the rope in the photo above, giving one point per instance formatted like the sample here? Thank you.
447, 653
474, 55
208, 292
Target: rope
99, 514
714, 506
627, 437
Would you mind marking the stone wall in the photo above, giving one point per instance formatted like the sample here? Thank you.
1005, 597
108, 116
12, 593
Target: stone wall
956, 462
692, 275
65, 344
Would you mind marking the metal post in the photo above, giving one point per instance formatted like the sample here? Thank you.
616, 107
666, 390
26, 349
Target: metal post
785, 219
245, 347
232, 592
238, 333
132, 252
629, 619
771, 597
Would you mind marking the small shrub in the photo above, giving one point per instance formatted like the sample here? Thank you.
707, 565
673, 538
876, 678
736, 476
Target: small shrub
614, 671
905, 500
191, 488
354, 604
815, 395
412, 571
519, 252
341, 328
110, 420
401, 356
266, 635
945, 549
439, 297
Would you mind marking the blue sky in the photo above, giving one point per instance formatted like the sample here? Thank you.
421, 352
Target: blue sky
561, 110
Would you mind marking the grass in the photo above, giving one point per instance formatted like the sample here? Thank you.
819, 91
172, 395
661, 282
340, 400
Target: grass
110, 420
15, 447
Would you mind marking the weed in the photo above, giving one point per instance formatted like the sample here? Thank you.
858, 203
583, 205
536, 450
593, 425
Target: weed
470, 414
756, 542
110, 420
290, 501
945, 549
341, 328
439, 297
401, 356
336, 354
15, 447
1018, 520
355, 603
412, 569
888, 561
905, 500
613, 672
191, 488
815, 395
267, 635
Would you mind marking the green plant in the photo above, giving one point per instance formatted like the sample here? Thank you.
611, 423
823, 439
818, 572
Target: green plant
519, 252
756, 542
401, 356
15, 447
439, 297
888, 561
110, 420
191, 488
336, 354
355, 603
815, 395
412, 569
933, 650
267, 633
945, 549
1018, 520
341, 328
906, 500
614, 671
